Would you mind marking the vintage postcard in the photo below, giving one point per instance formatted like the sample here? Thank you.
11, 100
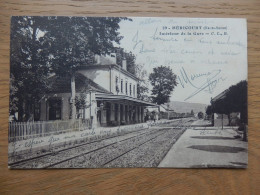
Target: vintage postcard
104, 92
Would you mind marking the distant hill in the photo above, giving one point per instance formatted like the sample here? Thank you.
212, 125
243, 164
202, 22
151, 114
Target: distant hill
184, 107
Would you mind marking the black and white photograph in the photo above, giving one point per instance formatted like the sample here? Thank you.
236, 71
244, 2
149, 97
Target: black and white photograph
123, 92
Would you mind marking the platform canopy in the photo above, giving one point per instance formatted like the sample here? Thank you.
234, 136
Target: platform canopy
220, 96
111, 97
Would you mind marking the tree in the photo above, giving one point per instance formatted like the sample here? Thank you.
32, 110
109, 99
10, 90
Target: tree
13, 108
192, 113
142, 91
44, 45
29, 65
129, 57
200, 115
209, 110
81, 103
235, 100
210, 115
163, 81
130, 61
142, 86
136, 69
77, 39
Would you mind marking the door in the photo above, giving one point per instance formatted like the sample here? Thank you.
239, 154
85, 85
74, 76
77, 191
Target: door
55, 109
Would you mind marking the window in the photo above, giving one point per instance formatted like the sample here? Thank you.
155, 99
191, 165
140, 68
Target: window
126, 88
130, 89
122, 86
116, 85
134, 90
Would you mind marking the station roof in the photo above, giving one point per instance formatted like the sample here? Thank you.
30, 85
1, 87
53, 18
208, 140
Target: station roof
62, 84
220, 96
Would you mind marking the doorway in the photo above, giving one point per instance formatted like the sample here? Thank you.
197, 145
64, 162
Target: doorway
55, 109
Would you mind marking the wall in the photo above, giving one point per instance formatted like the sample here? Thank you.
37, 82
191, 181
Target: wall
126, 78
102, 77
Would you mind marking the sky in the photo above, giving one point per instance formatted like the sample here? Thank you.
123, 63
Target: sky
207, 55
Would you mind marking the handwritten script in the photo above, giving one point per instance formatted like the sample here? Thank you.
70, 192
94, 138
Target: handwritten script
201, 52
209, 81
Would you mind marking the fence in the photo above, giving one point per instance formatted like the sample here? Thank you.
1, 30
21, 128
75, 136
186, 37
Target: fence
25, 130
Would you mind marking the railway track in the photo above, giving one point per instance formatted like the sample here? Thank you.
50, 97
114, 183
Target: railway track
98, 153
37, 156
148, 154
101, 152
46, 160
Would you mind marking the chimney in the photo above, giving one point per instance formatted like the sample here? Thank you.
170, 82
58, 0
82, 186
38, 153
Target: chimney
112, 58
97, 59
124, 64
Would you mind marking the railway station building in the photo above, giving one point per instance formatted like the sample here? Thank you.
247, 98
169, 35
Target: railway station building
220, 119
106, 95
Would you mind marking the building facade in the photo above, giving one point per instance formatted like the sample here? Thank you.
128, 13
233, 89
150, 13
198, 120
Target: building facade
106, 95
